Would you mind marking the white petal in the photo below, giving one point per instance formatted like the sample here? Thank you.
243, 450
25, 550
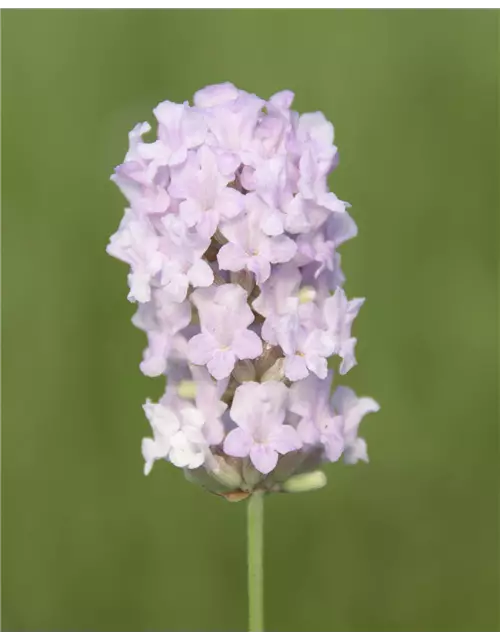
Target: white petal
192, 417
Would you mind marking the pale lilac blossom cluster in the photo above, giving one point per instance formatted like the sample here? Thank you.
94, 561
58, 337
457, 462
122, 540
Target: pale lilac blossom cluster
232, 239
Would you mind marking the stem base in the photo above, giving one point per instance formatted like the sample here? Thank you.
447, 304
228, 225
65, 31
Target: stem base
255, 531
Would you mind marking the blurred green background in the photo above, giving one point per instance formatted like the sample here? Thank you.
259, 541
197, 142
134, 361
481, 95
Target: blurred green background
409, 542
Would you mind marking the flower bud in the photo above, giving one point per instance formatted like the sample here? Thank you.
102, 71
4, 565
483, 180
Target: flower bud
187, 389
307, 294
305, 482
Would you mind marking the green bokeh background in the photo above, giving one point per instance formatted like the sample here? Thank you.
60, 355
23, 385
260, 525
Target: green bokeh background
408, 542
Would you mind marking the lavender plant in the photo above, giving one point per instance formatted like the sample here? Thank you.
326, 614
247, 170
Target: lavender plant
232, 238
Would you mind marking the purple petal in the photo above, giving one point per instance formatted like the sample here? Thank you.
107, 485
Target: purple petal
264, 458
283, 283
176, 286
155, 356
175, 315
208, 223
272, 224
268, 331
334, 445
281, 249
232, 257
238, 443
215, 94
194, 128
230, 203
260, 265
213, 431
284, 439
352, 408
221, 364
247, 178
190, 212
247, 344
282, 99
296, 217
285, 329
201, 348
341, 227
308, 432
153, 366
245, 405
295, 368
310, 396
317, 365
345, 399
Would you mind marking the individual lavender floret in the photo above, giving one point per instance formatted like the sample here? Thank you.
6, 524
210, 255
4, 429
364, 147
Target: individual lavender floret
259, 412
339, 314
319, 425
178, 436
183, 264
248, 247
180, 128
353, 410
224, 338
136, 243
162, 320
201, 186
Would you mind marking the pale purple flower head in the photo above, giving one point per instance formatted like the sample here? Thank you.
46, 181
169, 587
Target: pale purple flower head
232, 237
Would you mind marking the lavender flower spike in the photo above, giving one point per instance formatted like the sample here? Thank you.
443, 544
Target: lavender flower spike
232, 238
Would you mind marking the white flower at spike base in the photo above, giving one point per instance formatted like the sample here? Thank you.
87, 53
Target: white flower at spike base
178, 436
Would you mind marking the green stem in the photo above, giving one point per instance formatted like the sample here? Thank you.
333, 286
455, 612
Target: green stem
255, 528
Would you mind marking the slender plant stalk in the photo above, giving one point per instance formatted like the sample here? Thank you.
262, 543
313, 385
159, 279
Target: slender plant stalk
255, 528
